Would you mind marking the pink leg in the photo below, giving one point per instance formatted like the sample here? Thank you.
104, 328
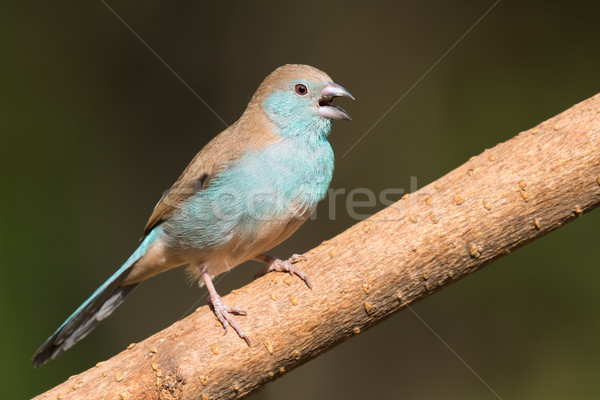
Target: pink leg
275, 264
222, 311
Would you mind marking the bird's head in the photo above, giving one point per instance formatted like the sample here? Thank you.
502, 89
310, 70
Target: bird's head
298, 100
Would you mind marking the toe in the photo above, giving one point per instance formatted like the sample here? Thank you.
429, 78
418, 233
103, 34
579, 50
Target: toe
222, 319
302, 276
246, 339
297, 258
236, 310
239, 331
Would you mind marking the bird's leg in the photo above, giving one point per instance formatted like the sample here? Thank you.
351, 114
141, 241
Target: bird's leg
222, 311
275, 264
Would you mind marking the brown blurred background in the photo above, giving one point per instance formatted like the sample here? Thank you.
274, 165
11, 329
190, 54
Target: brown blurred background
93, 128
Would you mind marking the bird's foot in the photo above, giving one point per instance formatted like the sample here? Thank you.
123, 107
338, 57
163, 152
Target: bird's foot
275, 264
223, 313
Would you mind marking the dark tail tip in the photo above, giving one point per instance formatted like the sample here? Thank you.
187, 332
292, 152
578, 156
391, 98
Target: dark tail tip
99, 306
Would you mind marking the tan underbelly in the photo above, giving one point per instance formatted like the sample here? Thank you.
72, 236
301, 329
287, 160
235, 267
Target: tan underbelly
237, 251
160, 257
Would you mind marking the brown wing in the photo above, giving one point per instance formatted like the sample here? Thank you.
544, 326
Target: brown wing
251, 132
194, 178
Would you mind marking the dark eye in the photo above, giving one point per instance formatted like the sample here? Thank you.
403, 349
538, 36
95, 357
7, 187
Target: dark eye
301, 89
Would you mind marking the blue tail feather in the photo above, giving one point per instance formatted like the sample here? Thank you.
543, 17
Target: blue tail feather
97, 307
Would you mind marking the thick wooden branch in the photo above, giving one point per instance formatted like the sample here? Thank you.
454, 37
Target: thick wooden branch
497, 201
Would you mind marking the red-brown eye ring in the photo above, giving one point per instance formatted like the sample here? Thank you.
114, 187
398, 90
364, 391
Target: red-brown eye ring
301, 89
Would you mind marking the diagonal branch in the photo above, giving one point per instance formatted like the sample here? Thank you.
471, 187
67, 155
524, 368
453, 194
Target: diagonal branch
494, 203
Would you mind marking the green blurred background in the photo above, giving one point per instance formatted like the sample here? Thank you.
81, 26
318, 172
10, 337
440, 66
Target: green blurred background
94, 128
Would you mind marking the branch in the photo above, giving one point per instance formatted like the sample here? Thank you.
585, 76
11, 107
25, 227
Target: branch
494, 203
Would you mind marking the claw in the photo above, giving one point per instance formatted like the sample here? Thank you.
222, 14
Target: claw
223, 313
275, 264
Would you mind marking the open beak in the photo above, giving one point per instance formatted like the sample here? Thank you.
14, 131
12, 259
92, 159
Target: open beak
326, 108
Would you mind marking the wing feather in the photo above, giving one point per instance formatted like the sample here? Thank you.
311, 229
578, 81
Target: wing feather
251, 132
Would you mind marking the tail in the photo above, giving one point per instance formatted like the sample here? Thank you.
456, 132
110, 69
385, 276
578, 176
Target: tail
97, 307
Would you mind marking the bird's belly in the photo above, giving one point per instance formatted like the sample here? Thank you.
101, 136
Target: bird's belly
240, 247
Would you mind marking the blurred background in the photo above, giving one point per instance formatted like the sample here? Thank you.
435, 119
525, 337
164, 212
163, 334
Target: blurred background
93, 128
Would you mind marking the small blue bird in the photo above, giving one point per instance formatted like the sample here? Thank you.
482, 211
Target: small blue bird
245, 192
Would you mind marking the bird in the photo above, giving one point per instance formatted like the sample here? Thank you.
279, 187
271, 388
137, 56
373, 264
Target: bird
243, 193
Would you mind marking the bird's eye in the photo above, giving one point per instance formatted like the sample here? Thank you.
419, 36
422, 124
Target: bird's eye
301, 89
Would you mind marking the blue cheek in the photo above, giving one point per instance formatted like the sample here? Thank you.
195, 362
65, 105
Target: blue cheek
295, 116
283, 106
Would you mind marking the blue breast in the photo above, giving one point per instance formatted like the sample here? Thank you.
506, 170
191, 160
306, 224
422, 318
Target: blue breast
293, 173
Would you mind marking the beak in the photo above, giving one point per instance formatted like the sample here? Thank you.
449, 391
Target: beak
326, 108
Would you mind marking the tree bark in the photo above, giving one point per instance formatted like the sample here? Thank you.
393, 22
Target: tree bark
494, 203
